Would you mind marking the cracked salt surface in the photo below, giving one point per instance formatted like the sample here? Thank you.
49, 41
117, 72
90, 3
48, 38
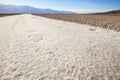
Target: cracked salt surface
38, 48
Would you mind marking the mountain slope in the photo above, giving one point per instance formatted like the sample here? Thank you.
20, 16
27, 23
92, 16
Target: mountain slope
10, 9
115, 12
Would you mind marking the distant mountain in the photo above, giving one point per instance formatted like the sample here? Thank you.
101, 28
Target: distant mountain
115, 12
12, 9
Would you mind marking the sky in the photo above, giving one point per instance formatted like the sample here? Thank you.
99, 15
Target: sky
80, 6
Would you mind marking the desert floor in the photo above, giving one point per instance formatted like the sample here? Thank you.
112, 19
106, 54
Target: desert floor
38, 48
108, 21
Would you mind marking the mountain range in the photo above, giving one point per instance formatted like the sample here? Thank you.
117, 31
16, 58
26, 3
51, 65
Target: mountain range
13, 9
114, 12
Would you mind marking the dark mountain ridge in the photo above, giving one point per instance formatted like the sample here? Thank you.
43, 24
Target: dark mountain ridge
114, 12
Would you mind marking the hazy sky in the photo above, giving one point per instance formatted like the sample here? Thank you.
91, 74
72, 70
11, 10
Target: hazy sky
72, 5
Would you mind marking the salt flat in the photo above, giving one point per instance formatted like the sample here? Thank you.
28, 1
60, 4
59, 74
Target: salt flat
38, 48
